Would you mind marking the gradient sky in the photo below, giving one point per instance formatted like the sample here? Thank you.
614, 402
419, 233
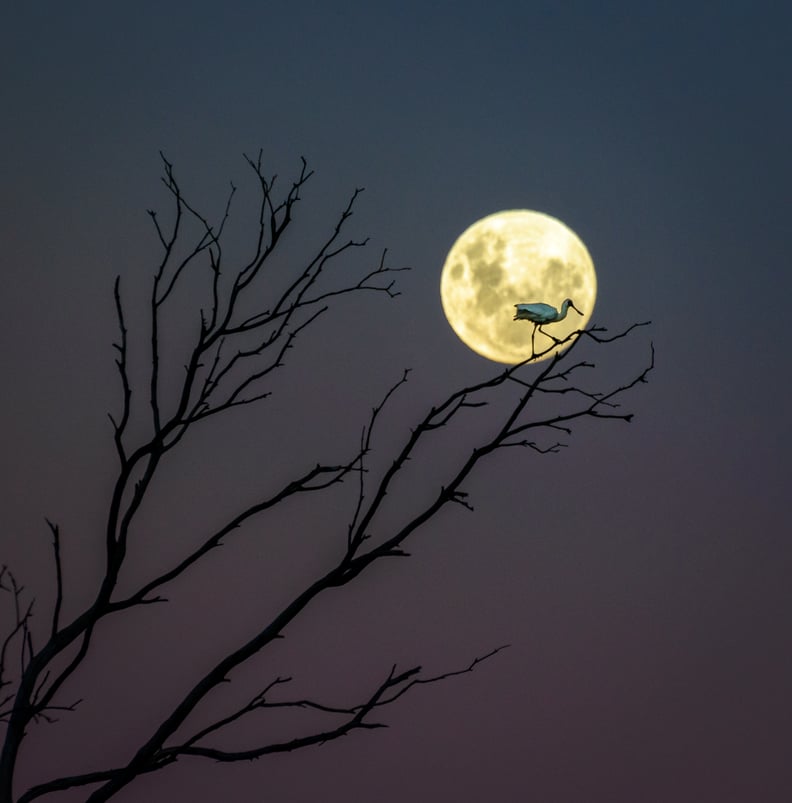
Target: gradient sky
641, 575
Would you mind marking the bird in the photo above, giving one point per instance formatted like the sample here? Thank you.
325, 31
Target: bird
540, 314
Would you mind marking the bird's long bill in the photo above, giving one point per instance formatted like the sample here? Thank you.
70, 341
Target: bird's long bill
575, 308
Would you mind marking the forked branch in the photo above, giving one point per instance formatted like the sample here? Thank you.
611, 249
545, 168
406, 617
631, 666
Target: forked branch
394, 686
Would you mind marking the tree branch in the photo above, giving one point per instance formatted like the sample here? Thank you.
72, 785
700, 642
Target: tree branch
121, 363
232, 354
388, 691
58, 575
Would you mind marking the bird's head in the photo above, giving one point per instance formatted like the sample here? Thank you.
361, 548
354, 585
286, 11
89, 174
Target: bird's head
572, 304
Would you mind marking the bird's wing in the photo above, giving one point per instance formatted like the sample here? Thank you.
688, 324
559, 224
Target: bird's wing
536, 309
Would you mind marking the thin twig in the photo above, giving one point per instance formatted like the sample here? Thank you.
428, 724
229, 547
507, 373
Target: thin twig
58, 575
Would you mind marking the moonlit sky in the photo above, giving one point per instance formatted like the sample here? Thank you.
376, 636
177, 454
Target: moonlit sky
641, 575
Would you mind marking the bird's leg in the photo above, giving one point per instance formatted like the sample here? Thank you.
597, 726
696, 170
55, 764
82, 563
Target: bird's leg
546, 334
533, 335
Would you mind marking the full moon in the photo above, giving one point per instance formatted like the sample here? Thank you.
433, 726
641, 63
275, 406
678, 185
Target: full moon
509, 258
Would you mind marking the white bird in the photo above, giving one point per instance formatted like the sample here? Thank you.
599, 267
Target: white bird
540, 314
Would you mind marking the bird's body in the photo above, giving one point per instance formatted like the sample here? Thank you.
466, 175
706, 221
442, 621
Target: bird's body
543, 313
540, 314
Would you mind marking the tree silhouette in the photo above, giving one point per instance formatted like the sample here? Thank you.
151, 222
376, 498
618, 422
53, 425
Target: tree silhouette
237, 344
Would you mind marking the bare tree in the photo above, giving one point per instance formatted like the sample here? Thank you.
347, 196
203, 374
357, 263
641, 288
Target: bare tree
237, 347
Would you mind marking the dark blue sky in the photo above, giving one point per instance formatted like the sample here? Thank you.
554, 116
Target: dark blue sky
641, 575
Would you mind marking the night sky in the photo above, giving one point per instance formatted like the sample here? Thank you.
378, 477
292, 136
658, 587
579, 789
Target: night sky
641, 575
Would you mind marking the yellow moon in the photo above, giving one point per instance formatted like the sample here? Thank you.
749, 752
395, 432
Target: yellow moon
508, 258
